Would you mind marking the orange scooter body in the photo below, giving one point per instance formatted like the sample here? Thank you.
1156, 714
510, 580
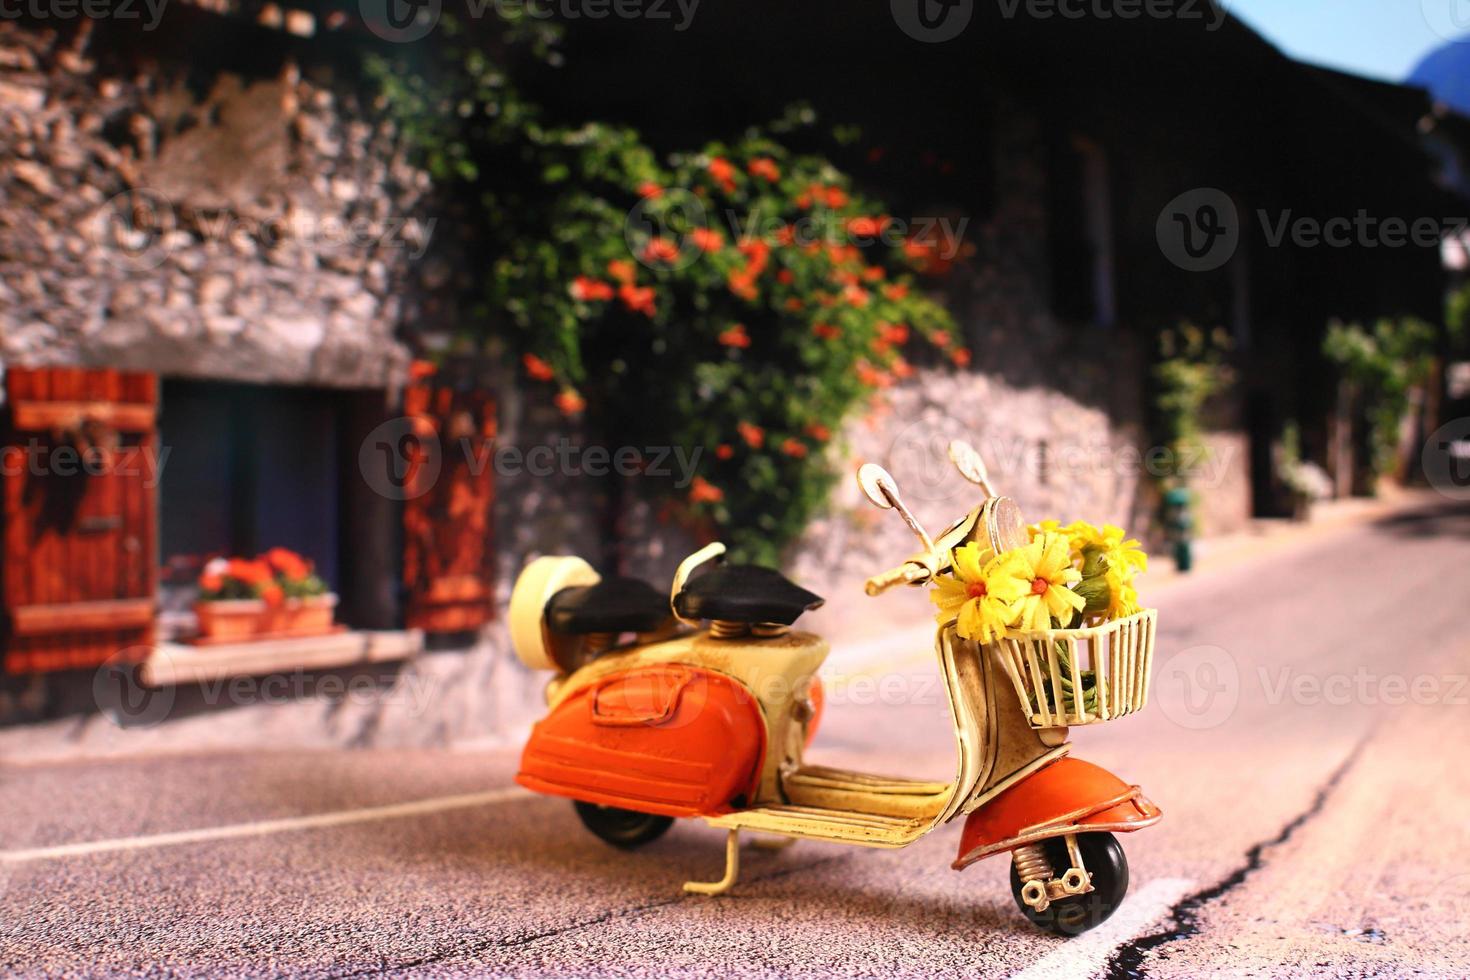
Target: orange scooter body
669, 739
1068, 796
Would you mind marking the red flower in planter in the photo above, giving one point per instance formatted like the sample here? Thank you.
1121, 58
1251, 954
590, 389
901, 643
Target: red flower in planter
794, 448
896, 291
819, 432
724, 451
570, 403
867, 227
756, 252
661, 250
622, 270
701, 491
638, 299
648, 190
707, 239
856, 296
961, 357
743, 285
754, 435
590, 290
826, 331
288, 563
765, 168
735, 337
536, 368
723, 173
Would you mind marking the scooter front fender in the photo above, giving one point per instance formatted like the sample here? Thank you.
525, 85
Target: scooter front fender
1068, 796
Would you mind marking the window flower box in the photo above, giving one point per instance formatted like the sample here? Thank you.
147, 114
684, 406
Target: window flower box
225, 620
277, 595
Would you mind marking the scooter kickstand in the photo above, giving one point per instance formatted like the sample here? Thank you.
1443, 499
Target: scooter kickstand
732, 870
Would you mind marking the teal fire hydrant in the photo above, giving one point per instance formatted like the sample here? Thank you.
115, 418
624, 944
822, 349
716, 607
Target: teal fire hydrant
1179, 525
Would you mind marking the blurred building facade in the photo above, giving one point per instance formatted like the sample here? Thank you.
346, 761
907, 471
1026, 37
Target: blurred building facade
215, 205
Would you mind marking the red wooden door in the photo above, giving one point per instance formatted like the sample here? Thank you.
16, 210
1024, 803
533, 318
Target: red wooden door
448, 559
78, 487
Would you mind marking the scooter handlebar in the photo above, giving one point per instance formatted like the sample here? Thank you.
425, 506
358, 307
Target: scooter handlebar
908, 573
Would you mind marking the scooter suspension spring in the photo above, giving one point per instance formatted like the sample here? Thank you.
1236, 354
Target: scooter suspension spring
1031, 863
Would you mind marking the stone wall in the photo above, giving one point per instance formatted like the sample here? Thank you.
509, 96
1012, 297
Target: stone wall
242, 227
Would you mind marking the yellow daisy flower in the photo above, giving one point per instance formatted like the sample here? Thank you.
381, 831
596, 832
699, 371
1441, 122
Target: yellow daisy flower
980, 594
1046, 563
1119, 560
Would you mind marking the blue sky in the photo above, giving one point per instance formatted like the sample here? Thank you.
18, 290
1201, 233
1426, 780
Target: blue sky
1381, 38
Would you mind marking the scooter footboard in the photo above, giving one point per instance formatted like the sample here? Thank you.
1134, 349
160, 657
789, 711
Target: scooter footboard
1068, 796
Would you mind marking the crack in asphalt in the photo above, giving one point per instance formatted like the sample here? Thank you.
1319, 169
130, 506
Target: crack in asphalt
607, 916
1127, 962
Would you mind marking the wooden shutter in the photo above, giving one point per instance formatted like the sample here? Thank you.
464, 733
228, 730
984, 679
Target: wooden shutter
78, 486
448, 560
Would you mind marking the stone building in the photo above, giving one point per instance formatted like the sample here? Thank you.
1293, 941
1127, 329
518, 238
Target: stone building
216, 204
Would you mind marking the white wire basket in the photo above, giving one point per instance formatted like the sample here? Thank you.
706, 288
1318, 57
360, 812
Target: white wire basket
1083, 676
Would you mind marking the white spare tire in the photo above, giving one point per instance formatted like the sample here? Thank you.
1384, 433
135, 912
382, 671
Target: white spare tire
534, 644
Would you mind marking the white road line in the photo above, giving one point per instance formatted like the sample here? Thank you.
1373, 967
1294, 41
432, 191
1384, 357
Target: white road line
338, 818
1089, 952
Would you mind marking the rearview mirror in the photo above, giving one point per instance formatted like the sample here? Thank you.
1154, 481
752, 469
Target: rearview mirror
878, 485
971, 466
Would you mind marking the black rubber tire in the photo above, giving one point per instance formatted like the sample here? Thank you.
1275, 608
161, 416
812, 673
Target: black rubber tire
622, 828
1108, 866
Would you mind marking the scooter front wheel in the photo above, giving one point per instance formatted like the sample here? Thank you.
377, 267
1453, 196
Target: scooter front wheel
622, 828
1074, 915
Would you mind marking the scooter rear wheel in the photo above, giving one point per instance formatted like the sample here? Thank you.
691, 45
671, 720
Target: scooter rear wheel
622, 828
1108, 866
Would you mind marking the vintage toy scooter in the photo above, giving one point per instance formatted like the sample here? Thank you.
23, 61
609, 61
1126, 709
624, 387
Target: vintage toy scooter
688, 720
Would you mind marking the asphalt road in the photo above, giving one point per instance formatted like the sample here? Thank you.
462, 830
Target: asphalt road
1306, 741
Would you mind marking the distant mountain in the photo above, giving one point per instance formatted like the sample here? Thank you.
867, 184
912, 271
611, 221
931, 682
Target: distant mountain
1446, 73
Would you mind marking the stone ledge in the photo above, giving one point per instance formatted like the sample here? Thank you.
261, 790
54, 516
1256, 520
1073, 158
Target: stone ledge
173, 664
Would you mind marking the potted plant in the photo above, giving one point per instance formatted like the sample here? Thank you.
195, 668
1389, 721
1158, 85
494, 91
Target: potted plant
306, 607
235, 596
277, 594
